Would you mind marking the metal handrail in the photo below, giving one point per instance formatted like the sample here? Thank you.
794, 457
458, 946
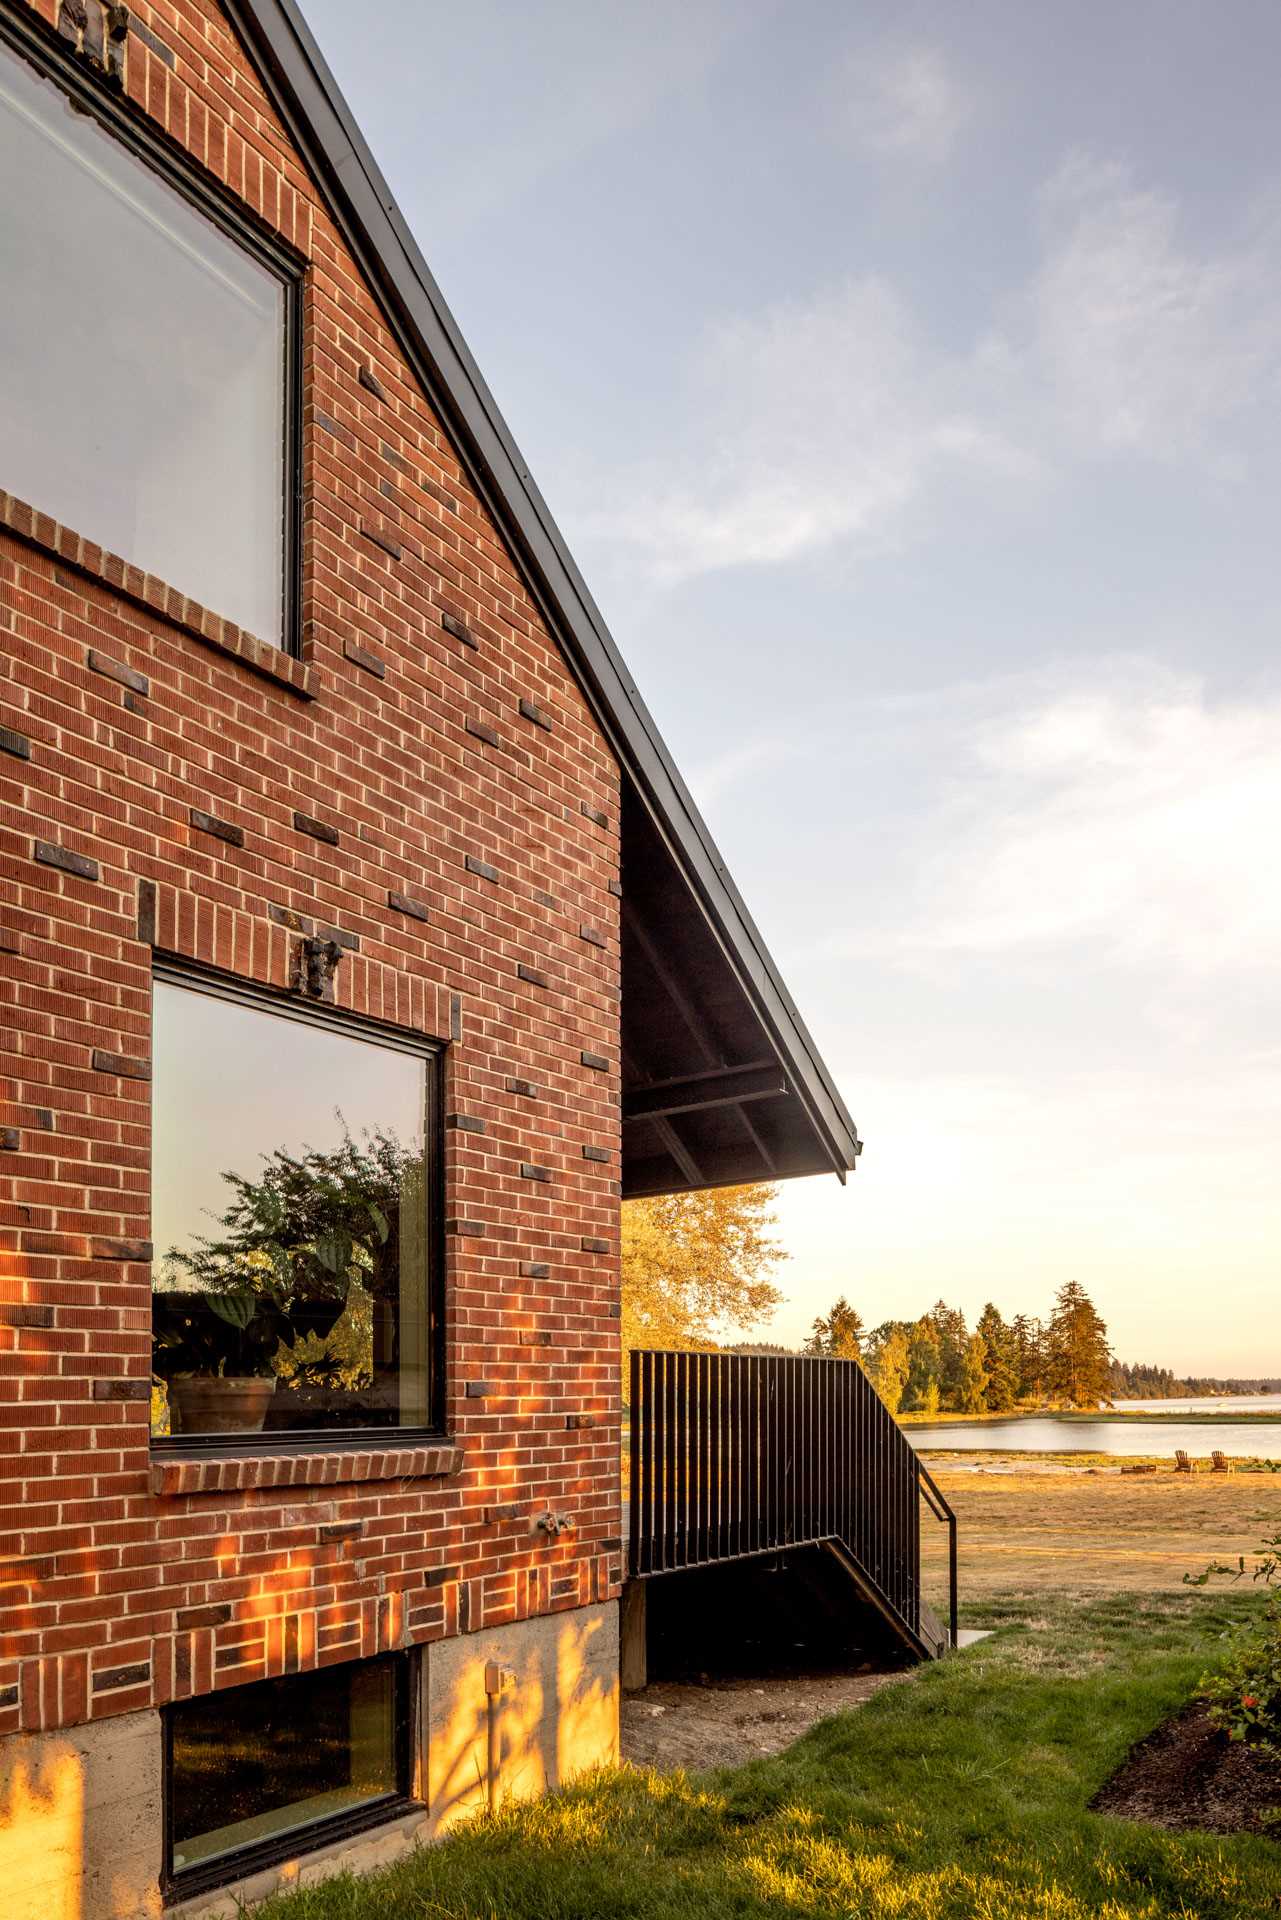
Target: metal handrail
939, 1506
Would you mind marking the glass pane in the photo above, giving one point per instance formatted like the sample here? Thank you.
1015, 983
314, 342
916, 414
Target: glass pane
141, 362
257, 1762
289, 1219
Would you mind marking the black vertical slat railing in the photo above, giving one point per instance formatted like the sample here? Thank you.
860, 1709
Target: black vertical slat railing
737, 1454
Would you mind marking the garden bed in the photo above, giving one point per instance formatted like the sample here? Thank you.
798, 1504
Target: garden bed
1188, 1775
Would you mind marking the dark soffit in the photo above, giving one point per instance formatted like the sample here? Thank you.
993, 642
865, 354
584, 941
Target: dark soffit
325, 134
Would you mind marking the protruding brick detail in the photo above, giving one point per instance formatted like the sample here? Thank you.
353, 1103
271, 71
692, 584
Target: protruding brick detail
595, 1153
15, 743
117, 670
361, 657
440, 1576
528, 711
478, 1389
380, 537
315, 829
147, 912
20, 1314
597, 815
531, 975
466, 1229
492, 1515
481, 868
459, 628
402, 903
137, 1390
535, 1270
43, 1117
174, 1476
481, 730
10, 1139
465, 1122
542, 899
455, 1016
592, 935
593, 1245
220, 829
342, 1530
191, 1619
535, 1337
576, 1420
616, 888
103, 1247
525, 1088
370, 381
528, 1171
596, 1061
107, 1679
127, 1065
48, 854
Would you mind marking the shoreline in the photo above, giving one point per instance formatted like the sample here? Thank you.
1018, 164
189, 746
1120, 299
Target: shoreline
1247, 1417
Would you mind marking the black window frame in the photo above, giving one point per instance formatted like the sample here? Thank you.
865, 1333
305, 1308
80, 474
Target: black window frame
239, 1862
34, 40
177, 971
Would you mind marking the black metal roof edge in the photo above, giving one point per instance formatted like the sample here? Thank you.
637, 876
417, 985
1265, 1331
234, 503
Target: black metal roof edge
310, 104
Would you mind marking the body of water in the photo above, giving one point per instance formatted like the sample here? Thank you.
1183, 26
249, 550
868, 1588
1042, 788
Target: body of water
1046, 1433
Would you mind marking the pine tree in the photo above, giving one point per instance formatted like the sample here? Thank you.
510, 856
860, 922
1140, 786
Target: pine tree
1000, 1359
838, 1333
1029, 1349
974, 1375
886, 1361
1078, 1348
923, 1390
952, 1334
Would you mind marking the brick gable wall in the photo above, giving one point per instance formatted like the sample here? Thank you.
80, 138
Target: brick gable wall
428, 782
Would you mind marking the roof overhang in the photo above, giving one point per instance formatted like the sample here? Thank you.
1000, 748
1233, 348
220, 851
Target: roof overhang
721, 1080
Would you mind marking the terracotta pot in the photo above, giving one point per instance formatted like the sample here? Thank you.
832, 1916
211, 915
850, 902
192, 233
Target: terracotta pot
211, 1404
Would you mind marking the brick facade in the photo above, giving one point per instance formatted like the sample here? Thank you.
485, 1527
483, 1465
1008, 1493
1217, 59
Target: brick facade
428, 786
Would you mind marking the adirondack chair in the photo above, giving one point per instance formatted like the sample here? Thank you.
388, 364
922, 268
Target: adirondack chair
1182, 1464
1219, 1463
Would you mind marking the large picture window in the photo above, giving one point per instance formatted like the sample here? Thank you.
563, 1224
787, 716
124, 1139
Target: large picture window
279, 1764
146, 361
293, 1219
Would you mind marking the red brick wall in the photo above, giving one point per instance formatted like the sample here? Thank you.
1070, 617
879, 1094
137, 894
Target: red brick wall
117, 1591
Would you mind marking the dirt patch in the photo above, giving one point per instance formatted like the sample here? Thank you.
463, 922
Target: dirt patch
1188, 1774
722, 1723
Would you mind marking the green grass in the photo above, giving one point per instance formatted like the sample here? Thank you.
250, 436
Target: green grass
963, 1792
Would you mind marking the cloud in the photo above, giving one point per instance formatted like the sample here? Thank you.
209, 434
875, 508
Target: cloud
838, 421
1128, 818
904, 103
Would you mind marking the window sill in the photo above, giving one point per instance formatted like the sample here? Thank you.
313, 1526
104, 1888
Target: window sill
244, 1472
153, 596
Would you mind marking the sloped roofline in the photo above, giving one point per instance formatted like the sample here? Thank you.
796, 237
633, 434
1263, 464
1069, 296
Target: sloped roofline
322, 127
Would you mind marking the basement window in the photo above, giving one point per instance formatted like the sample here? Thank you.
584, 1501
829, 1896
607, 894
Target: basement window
295, 1220
261, 1772
147, 354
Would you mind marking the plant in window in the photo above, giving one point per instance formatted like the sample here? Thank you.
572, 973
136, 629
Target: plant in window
313, 1242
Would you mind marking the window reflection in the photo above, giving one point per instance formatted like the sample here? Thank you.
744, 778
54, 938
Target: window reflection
289, 1218
253, 1764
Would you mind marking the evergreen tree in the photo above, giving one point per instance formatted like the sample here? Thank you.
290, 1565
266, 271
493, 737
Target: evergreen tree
886, 1360
839, 1333
1078, 1348
1000, 1360
923, 1391
953, 1336
974, 1375
1029, 1350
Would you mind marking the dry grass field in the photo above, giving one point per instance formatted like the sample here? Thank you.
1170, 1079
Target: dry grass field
1085, 1527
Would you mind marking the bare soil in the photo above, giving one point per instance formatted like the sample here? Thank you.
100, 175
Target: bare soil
722, 1723
1188, 1774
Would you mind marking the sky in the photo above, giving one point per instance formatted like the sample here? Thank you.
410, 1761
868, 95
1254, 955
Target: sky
907, 383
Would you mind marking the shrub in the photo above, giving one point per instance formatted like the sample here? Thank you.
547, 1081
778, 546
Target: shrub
1244, 1691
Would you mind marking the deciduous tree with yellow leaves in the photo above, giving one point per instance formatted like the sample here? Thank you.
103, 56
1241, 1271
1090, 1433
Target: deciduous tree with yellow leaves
696, 1266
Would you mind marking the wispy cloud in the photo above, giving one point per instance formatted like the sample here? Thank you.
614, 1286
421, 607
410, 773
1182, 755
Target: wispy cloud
904, 103
838, 420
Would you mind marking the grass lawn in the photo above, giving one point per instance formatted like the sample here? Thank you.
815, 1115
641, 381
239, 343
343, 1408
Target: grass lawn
961, 1793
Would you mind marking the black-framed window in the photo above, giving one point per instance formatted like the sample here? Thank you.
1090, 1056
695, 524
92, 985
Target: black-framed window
149, 349
261, 1772
295, 1219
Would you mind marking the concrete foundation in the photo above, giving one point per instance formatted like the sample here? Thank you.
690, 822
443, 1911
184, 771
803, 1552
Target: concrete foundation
80, 1822
81, 1812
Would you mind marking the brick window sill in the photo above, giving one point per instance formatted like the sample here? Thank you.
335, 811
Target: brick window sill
244, 1472
153, 596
